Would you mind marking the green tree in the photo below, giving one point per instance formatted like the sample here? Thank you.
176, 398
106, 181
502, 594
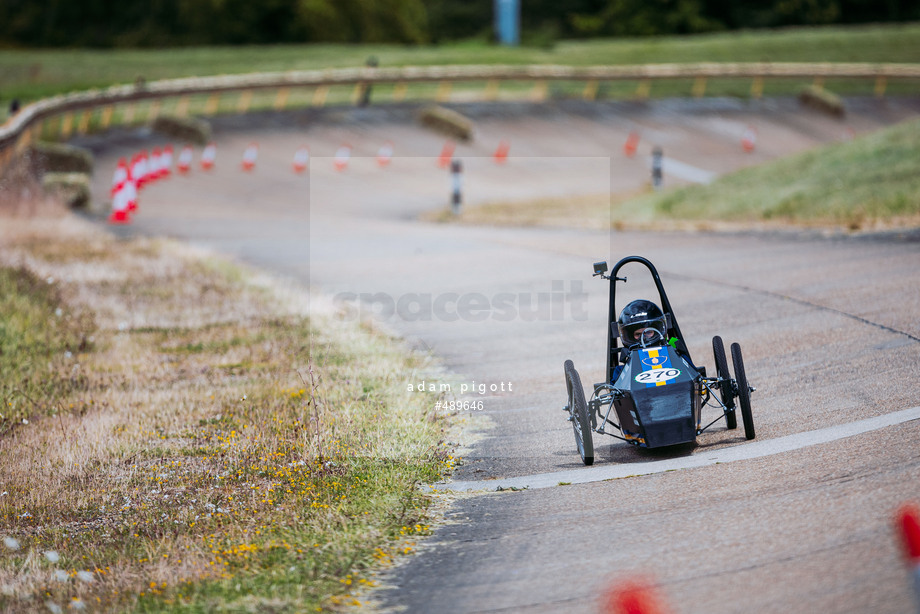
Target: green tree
645, 18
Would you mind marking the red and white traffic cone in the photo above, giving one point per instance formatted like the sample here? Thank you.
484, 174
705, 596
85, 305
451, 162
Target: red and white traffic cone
184, 163
208, 156
249, 157
139, 170
631, 144
134, 170
120, 205
131, 192
148, 164
501, 152
749, 139
385, 154
342, 156
301, 159
908, 521
447, 154
154, 166
166, 161
121, 174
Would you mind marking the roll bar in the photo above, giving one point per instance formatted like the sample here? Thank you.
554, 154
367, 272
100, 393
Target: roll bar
613, 347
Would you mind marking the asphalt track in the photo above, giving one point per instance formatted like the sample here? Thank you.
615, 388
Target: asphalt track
828, 326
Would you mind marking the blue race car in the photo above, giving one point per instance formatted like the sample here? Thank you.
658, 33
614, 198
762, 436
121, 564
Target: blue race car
653, 393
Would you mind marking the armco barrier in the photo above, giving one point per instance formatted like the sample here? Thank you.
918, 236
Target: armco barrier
23, 128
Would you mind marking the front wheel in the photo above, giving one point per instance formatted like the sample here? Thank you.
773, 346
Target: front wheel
578, 414
744, 392
725, 388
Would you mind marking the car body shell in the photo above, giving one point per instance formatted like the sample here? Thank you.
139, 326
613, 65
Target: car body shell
660, 398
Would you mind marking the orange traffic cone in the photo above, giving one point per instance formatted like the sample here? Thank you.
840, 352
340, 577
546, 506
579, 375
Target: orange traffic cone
208, 156
385, 154
342, 156
249, 157
501, 153
184, 163
447, 154
301, 159
632, 142
749, 139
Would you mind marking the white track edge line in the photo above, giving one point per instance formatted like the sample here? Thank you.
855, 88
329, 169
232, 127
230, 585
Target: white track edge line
747, 451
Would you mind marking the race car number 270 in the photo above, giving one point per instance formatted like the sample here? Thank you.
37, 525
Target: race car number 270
654, 376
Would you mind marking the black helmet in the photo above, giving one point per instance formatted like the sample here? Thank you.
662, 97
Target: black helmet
642, 322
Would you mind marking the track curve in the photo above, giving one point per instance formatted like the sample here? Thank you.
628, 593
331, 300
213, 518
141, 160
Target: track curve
805, 530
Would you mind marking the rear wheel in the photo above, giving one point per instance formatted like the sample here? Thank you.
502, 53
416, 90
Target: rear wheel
744, 392
725, 388
578, 412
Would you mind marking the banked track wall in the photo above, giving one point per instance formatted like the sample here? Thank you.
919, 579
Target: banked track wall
75, 112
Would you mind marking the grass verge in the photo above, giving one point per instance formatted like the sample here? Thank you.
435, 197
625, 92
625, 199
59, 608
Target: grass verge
35, 73
869, 183
587, 211
222, 451
35, 334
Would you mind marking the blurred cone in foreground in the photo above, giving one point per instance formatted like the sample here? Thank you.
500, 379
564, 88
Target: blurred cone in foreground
208, 156
501, 152
342, 156
632, 597
301, 159
249, 157
908, 521
447, 154
631, 144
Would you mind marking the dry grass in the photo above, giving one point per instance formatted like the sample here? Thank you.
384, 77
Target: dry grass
224, 451
591, 211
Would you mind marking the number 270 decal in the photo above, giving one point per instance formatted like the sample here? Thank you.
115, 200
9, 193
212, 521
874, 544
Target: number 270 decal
653, 376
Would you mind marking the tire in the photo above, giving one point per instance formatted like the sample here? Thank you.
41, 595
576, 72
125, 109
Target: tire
744, 393
578, 410
725, 388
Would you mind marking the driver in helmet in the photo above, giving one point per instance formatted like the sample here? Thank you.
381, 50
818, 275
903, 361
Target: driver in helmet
642, 323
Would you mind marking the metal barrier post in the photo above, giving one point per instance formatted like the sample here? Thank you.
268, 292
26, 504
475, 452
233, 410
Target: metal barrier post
657, 173
456, 182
